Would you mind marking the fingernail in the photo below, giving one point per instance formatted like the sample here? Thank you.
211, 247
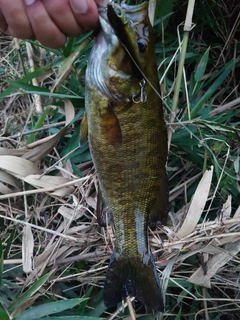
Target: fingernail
79, 6
29, 2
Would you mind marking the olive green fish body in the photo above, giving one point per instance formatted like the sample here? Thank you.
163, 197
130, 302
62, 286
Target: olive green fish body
127, 137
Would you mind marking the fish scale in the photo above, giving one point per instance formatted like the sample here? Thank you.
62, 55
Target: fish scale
128, 143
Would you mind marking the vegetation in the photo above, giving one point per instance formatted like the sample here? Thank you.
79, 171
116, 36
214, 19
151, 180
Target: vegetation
53, 255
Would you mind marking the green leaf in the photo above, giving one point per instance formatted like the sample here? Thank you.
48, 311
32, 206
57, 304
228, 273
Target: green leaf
83, 305
97, 305
9, 243
215, 126
179, 315
211, 90
30, 89
164, 9
46, 309
38, 125
201, 67
29, 293
181, 282
34, 74
3, 314
72, 144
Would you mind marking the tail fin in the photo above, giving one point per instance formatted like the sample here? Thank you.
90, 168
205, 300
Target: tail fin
134, 276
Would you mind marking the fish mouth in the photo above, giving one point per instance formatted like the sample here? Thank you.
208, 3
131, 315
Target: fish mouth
134, 13
108, 32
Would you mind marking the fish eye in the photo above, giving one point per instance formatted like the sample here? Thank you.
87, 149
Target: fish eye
142, 45
118, 12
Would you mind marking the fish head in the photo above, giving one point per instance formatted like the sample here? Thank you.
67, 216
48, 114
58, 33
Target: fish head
133, 29
122, 54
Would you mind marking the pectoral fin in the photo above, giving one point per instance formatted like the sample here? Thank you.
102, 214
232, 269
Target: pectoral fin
84, 130
110, 125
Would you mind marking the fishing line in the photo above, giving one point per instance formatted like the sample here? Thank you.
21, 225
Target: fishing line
201, 142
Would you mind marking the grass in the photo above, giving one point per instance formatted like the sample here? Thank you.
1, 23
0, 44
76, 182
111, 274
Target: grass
52, 220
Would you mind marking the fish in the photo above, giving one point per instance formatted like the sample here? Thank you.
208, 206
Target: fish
126, 131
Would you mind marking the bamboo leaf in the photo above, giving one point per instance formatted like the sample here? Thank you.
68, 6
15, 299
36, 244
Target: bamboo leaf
217, 83
46, 309
3, 314
197, 205
28, 88
9, 243
29, 293
201, 67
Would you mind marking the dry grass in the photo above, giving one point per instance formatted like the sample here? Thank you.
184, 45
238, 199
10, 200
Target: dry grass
54, 215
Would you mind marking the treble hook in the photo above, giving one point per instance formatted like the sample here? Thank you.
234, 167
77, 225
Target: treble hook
143, 96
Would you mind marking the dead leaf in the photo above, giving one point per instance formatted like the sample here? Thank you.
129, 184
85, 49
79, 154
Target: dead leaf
25, 305
197, 205
69, 213
225, 211
69, 111
237, 213
42, 150
48, 182
65, 70
67, 65
12, 152
214, 264
27, 249
18, 167
4, 189
9, 179
151, 10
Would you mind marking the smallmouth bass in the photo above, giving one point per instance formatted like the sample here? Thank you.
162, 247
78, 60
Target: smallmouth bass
128, 142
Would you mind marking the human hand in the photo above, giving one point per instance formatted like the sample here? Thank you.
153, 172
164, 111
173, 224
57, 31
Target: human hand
48, 21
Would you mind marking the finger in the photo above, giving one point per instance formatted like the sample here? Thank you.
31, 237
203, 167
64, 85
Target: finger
17, 27
43, 27
86, 13
62, 15
3, 23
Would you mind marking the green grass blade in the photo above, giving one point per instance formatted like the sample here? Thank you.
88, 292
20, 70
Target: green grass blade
217, 83
164, 9
29, 293
83, 305
47, 309
34, 74
3, 314
97, 305
9, 243
38, 125
30, 89
201, 67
